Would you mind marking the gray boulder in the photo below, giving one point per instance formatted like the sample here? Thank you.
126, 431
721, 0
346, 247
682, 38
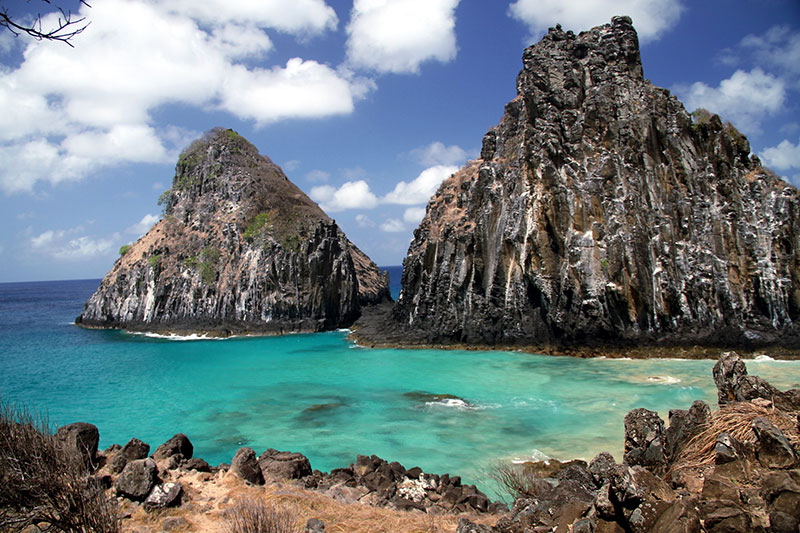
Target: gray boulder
178, 444
137, 479
81, 438
245, 465
135, 449
644, 440
283, 465
685, 425
773, 449
166, 495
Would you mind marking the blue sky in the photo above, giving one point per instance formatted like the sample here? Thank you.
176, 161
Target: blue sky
366, 105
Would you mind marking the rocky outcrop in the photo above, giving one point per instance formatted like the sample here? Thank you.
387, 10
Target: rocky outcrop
377, 482
601, 214
239, 249
705, 479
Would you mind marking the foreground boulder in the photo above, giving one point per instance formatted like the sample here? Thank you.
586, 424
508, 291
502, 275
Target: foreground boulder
80, 438
245, 465
240, 249
137, 479
179, 444
601, 214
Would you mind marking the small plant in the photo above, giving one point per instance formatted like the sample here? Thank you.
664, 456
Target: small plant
701, 115
255, 225
124, 249
254, 516
163, 200
209, 258
291, 243
513, 480
43, 485
153, 260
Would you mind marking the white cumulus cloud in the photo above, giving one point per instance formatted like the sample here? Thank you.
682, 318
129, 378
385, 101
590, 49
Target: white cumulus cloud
301, 89
420, 189
143, 226
782, 157
650, 17
437, 153
63, 245
297, 17
392, 225
318, 176
413, 215
778, 47
66, 112
744, 98
364, 221
351, 195
399, 35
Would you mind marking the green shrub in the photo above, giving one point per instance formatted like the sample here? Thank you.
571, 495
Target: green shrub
255, 225
209, 258
153, 260
701, 115
125, 248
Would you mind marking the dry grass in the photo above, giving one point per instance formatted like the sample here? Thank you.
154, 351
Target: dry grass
513, 480
211, 500
736, 419
254, 515
360, 518
43, 484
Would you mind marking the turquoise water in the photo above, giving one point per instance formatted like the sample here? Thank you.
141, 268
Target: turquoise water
327, 398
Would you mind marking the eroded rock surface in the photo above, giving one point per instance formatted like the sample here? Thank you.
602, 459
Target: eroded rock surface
240, 249
601, 214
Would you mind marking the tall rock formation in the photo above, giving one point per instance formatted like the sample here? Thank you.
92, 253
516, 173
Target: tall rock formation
600, 213
240, 248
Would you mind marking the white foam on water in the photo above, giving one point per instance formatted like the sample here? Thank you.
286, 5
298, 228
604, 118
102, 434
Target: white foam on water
536, 455
762, 358
664, 380
462, 405
176, 337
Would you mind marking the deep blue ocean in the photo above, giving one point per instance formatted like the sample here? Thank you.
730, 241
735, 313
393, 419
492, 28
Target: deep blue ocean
325, 397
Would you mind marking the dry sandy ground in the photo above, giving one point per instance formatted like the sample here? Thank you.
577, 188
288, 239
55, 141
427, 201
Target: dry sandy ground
207, 496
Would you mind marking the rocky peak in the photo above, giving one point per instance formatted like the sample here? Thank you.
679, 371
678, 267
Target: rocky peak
240, 248
601, 212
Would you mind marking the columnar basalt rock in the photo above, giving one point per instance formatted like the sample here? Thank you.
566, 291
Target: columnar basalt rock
240, 249
600, 214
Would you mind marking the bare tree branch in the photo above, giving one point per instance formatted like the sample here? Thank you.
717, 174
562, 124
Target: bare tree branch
65, 29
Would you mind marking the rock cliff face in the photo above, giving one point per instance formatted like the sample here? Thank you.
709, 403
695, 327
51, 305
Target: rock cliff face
240, 248
600, 213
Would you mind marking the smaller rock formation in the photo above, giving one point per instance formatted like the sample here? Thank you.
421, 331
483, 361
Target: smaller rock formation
240, 249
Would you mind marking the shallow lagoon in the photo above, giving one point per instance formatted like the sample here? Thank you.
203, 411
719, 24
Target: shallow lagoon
325, 397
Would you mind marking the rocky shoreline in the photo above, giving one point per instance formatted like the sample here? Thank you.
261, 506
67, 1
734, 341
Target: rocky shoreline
736, 469
376, 329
